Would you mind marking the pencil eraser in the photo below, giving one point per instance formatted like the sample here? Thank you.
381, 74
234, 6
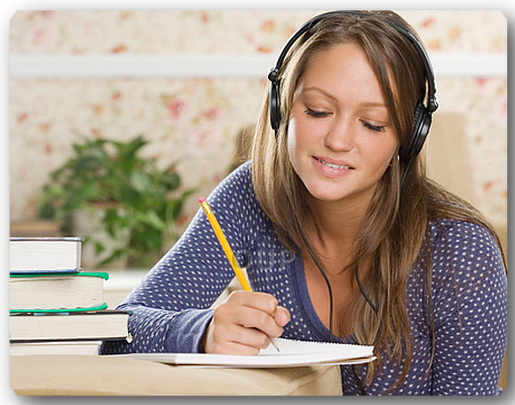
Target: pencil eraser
201, 200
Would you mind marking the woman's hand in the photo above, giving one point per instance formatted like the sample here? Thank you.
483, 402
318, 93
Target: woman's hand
244, 323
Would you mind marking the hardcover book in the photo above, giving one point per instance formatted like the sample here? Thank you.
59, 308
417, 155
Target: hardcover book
69, 326
50, 254
39, 292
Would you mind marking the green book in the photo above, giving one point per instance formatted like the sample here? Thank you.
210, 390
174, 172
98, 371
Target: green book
57, 292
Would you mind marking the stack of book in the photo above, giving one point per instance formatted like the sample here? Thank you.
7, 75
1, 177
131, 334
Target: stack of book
55, 306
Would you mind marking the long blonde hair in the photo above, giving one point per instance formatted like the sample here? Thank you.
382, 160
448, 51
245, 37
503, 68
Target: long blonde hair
396, 223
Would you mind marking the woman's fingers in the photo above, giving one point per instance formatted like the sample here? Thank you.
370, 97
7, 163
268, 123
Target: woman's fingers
234, 339
248, 318
244, 323
282, 316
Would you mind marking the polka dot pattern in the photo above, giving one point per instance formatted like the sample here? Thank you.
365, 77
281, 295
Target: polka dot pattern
171, 306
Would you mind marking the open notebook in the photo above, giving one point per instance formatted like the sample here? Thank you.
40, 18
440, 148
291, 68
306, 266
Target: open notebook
293, 353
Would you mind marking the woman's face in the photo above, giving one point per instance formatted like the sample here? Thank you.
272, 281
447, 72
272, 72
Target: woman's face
341, 139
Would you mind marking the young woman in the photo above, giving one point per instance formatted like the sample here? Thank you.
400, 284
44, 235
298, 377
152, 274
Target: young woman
343, 236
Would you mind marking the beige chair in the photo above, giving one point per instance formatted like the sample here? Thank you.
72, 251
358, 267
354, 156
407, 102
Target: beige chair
448, 162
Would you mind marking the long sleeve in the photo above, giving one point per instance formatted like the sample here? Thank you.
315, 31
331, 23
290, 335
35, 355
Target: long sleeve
171, 306
470, 306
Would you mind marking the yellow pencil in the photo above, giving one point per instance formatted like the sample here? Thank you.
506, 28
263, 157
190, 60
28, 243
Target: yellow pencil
227, 249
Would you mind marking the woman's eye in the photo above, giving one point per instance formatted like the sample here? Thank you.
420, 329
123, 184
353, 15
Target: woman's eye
316, 114
372, 127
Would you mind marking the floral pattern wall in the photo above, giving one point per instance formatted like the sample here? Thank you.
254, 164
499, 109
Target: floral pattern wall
196, 120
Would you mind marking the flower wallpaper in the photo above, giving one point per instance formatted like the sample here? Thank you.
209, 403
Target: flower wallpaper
195, 121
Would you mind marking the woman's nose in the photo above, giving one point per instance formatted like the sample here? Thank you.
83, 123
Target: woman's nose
341, 135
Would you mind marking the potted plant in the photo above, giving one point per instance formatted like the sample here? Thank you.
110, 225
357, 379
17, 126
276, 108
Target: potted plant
136, 202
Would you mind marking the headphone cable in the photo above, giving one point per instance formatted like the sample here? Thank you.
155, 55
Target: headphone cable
363, 292
329, 289
406, 170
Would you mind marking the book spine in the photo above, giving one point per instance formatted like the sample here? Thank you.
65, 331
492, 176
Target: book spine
59, 310
101, 274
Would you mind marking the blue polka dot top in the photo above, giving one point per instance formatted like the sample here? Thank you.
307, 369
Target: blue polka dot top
172, 304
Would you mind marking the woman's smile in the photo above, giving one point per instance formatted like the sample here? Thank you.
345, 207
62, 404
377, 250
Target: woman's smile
331, 167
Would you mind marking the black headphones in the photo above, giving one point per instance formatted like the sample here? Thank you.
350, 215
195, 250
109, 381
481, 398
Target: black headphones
423, 114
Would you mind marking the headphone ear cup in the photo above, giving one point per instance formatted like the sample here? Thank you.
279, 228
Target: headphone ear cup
275, 105
422, 124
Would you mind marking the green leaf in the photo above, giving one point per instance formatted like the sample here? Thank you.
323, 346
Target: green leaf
140, 180
152, 219
171, 180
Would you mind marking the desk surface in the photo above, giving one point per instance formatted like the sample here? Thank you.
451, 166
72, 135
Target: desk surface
104, 375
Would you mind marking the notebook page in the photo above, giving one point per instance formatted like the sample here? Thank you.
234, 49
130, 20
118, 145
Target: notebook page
293, 353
